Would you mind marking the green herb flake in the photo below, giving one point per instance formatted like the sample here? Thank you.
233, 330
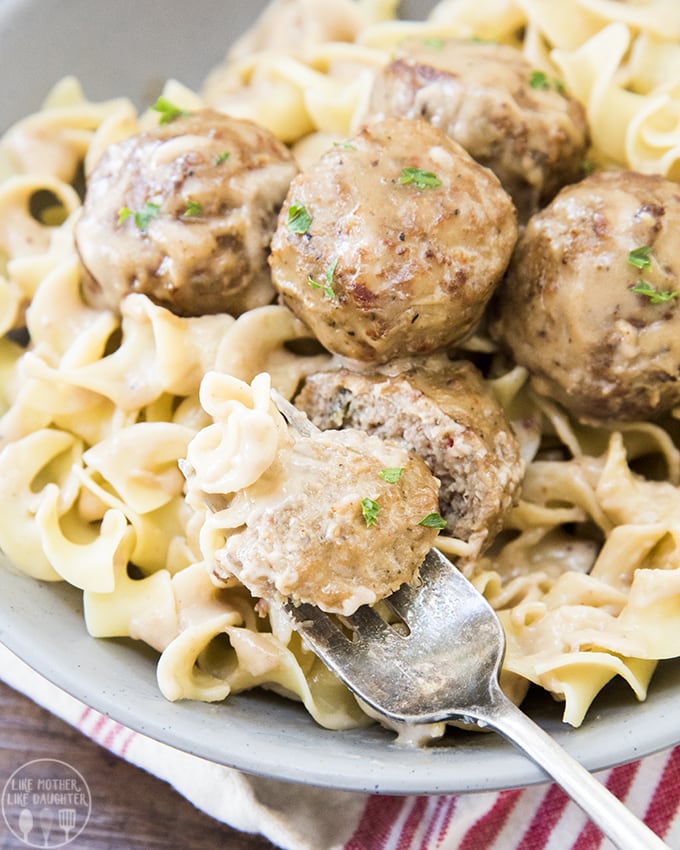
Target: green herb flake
327, 288
193, 209
123, 214
640, 257
437, 43
345, 144
433, 520
168, 111
144, 216
370, 509
540, 81
299, 220
222, 157
420, 178
654, 295
391, 474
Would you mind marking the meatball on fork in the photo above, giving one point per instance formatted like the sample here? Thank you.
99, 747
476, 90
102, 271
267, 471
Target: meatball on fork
445, 415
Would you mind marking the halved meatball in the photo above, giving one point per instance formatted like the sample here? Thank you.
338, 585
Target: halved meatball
447, 417
184, 213
392, 244
590, 305
518, 121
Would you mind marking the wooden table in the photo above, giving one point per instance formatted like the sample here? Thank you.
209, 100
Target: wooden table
131, 810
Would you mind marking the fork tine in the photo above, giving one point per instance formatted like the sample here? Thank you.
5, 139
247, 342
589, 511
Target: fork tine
411, 601
327, 640
294, 417
323, 634
367, 624
404, 600
312, 621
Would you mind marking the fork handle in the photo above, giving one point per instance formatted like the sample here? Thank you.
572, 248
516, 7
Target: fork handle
606, 811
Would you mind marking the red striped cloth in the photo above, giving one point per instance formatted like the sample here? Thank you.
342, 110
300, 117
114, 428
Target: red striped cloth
304, 818
537, 818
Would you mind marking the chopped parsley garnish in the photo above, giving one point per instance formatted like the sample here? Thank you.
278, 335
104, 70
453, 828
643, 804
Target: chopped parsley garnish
433, 520
391, 474
639, 257
299, 219
345, 144
541, 81
222, 157
370, 509
654, 295
437, 43
327, 287
142, 217
193, 208
168, 111
420, 178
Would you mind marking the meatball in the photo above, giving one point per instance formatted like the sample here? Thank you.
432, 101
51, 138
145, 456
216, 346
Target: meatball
404, 241
325, 526
517, 121
590, 304
184, 213
448, 417
292, 25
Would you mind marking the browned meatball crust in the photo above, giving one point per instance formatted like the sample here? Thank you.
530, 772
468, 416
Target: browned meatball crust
394, 262
446, 416
184, 213
568, 310
520, 123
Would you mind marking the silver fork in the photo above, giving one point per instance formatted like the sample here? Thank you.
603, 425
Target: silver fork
445, 666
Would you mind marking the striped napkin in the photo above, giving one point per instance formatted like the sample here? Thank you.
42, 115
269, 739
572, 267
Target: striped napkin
296, 817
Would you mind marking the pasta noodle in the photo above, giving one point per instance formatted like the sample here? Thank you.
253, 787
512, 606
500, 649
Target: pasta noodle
99, 409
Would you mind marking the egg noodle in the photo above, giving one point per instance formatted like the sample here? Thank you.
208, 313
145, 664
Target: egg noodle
99, 409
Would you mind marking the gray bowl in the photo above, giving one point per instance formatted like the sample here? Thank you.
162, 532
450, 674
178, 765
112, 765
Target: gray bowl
130, 48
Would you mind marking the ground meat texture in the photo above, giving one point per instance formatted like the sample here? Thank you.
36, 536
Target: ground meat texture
308, 538
568, 311
520, 123
447, 417
184, 213
389, 268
